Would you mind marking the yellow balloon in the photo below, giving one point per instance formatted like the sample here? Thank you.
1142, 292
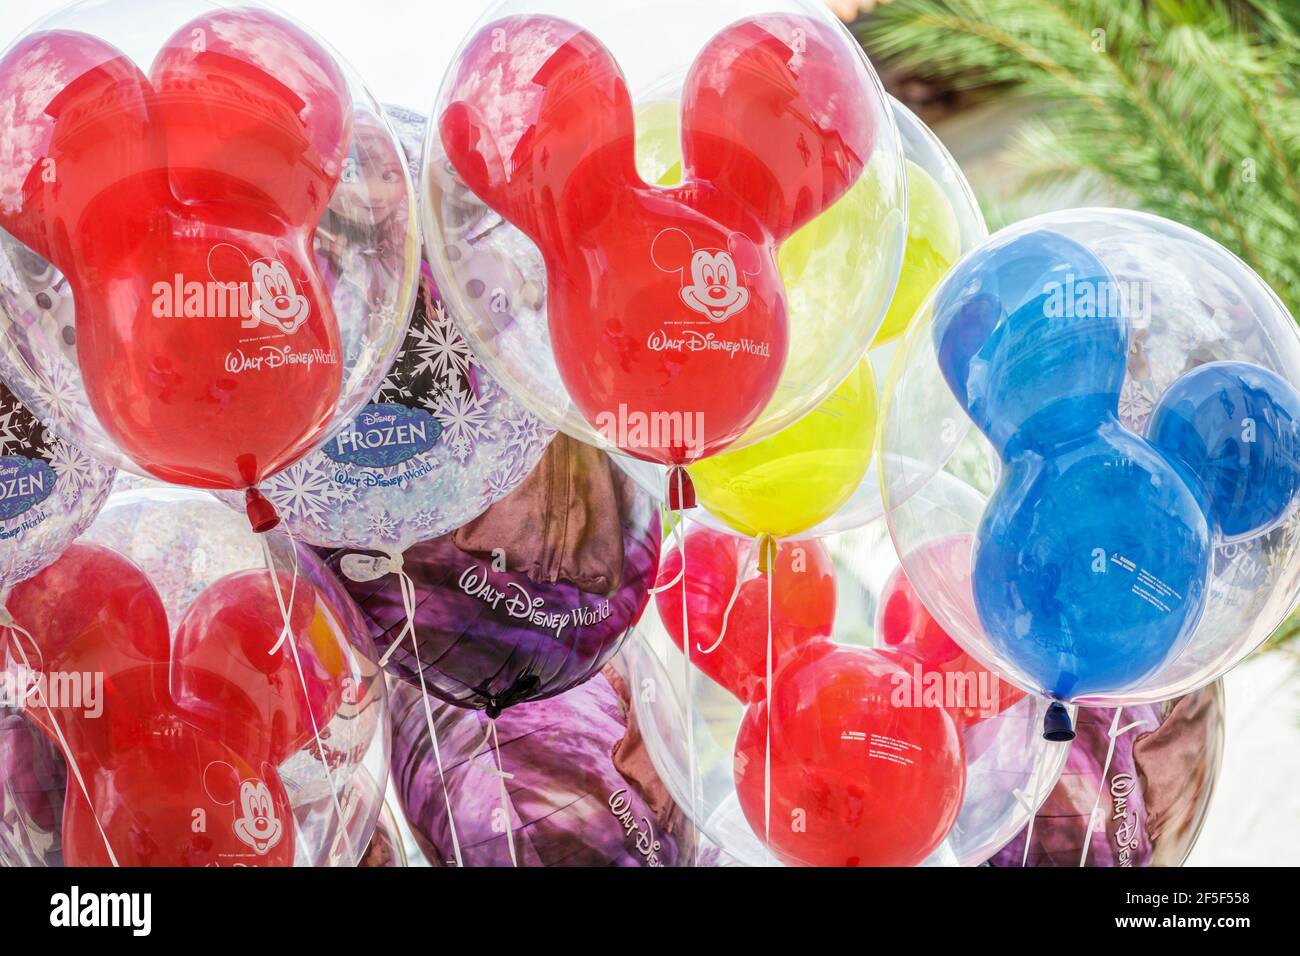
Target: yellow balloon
793, 481
818, 263
789, 483
933, 245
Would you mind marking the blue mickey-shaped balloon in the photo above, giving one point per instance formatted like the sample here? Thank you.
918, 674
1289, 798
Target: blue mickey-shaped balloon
1236, 429
1032, 339
1093, 555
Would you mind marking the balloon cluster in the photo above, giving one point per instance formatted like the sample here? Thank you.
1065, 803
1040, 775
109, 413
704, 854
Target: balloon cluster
720, 326
1097, 598
193, 723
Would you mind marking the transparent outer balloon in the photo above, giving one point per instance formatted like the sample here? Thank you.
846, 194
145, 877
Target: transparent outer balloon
361, 265
185, 542
942, 235
1009, 768
438, 442
495, 280
50, 491
1189, 302
1152, 769
386, 850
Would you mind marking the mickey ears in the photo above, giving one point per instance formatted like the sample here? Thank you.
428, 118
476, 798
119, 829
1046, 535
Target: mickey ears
78, 115
241, 102
1027, 324
247, 96
539, 124
776, 113
1234, 428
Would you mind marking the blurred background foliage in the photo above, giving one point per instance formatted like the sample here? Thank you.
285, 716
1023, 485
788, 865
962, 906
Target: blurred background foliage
1184, 108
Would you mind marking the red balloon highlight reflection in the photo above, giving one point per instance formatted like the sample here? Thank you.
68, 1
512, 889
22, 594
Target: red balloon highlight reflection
182, 208
665, 305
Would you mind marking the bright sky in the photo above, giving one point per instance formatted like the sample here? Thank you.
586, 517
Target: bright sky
363, 31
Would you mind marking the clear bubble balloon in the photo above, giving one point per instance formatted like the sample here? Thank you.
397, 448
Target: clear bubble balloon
1107, 402
970, 787
620, 340
252, 211
818, 476
206, 699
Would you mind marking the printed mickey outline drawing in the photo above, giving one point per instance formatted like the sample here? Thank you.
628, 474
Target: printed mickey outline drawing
256, 825
714, 288
276, 300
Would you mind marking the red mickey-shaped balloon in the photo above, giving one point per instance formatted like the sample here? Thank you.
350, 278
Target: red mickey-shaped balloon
232, 670
803, 606
184, 799
969, 690
182, 208
92, 616
856, 780
174, 780
665, 305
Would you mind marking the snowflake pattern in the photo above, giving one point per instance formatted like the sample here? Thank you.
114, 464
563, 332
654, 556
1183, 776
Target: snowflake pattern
524, 433
503, 480
1135, 403
305, 491
464, 419
61, 393
383, 525
439, 349
426, 521
75, 469
13, 430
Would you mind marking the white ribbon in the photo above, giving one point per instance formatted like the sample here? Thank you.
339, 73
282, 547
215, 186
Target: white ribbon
286, 633
767, 693
1031, 803
1115, 732
735, 594
502, 776
7, 621
394, 564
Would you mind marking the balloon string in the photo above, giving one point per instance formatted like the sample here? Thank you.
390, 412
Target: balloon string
767, 694
693, 770
287, 624
7, 621
1035, 801
1032, 807
407, 588
286, 611
1114, 733
502, 776
396, 565
735, 594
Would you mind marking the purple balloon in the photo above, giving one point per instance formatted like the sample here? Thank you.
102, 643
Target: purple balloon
33, 777
1153, 796
582, 790
533, 597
